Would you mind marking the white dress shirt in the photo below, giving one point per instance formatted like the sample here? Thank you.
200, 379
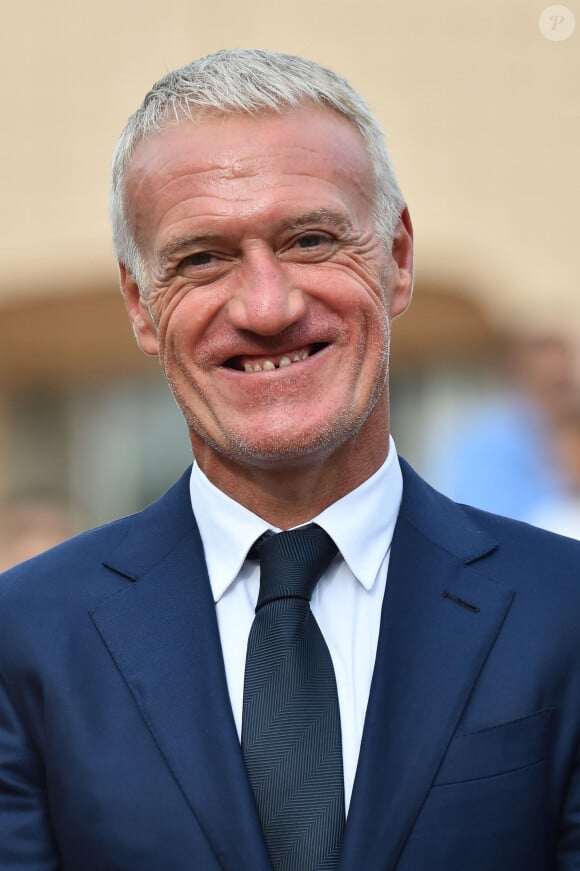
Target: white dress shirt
346, 601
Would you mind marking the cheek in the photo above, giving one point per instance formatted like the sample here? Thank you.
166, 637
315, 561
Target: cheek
193, 334
178, 314
367, 306
348, 291
367, 276
375, 334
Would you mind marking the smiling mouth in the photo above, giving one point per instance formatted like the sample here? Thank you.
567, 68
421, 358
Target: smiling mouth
255, 363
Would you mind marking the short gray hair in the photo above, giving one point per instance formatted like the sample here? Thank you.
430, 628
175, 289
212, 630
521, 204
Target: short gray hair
247, 81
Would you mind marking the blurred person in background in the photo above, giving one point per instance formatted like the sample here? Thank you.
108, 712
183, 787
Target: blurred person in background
31, 524
501, 456
301, 657
562, 514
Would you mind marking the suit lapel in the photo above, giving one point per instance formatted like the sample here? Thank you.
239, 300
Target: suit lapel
161, 631
439, 621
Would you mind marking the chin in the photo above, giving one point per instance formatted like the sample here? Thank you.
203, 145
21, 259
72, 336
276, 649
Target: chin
283, 450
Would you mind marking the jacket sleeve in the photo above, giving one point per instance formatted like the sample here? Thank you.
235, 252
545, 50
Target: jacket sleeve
26, 839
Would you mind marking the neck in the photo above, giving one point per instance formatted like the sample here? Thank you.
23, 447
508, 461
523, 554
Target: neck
291, 494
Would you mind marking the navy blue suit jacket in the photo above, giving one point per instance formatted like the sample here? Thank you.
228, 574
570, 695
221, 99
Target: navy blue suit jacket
118, 750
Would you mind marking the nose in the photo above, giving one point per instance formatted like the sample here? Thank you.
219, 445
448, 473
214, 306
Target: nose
264, 300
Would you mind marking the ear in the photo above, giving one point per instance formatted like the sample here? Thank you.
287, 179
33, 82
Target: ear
402, 266
143, 326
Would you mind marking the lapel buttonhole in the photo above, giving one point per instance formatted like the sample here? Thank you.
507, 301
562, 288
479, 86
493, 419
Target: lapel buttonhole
458, 601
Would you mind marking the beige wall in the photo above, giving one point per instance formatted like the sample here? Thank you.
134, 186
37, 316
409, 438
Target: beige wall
481, 111
482, 114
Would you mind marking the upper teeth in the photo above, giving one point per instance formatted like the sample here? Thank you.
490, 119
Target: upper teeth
268, 365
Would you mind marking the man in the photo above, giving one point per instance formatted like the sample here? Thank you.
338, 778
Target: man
264, 250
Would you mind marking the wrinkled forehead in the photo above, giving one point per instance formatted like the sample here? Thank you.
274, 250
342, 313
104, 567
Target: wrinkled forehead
307, 142
307, 113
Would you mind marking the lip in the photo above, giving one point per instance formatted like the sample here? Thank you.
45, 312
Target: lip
268, 362
299, 367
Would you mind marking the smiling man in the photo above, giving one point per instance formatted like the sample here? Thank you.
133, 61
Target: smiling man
301, 657
269, 295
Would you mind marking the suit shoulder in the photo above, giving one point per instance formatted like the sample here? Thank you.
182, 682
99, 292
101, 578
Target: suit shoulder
519, 533
75, 563
514, 553
542, 567
75, 557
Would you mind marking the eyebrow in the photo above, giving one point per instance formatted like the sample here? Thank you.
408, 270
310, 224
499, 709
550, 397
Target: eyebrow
328, 217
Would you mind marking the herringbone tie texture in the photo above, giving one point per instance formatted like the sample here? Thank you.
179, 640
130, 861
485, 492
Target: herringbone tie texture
291, 738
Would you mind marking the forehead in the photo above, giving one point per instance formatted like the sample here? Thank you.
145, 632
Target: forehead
239, 158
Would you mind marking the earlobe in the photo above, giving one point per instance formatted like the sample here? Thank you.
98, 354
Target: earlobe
402, 255
143, 326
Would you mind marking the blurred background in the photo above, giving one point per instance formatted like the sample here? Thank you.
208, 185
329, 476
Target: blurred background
481, 112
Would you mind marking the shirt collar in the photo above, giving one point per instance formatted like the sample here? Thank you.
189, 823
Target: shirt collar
228, 529
375, 503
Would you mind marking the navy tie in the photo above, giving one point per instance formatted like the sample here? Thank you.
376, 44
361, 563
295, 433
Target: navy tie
291, 738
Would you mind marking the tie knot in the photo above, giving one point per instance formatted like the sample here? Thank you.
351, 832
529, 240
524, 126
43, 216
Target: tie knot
291, 563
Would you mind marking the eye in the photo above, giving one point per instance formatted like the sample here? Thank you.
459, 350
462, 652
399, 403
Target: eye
201, 258
313, 240
203, 267
312, 246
